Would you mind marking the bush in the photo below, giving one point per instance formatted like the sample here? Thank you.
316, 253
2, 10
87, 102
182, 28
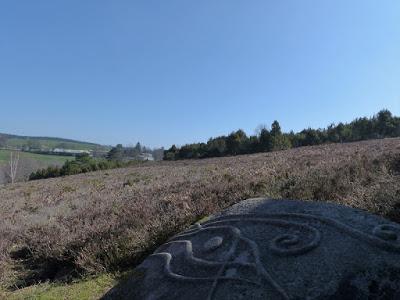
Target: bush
82, 164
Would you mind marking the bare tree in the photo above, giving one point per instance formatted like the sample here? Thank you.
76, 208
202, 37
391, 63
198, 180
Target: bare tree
13, 164
260, 128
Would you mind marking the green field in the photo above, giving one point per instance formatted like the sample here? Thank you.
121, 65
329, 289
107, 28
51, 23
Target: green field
15, 141
50, 144
45, 159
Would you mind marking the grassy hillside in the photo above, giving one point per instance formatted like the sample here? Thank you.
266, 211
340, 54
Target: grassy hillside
14, 141
110, 220
28, 163
45, 159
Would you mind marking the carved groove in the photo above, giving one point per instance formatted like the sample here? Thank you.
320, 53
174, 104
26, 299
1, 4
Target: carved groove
376, 238
292, 242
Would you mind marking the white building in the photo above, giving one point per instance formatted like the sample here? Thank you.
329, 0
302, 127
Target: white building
70, 151
146, 156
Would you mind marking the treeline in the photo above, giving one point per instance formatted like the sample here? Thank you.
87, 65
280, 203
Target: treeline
381, 125
120, 152
118, 157
81, 164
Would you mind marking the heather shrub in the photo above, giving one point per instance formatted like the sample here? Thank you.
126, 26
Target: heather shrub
110, 220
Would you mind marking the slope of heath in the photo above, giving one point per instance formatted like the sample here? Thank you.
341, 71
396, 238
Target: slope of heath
109, 220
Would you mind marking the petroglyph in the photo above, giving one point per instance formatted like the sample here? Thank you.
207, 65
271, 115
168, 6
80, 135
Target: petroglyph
286, 250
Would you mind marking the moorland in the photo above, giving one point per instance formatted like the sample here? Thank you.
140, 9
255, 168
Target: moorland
102, 222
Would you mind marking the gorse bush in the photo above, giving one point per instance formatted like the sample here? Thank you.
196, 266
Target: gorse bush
382, 125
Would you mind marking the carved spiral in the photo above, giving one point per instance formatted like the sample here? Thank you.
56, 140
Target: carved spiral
387, 232
293, 244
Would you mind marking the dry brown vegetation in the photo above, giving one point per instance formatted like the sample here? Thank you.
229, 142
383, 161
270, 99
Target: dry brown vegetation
107, 220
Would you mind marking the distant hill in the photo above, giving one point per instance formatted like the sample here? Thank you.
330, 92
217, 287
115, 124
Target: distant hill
11, 141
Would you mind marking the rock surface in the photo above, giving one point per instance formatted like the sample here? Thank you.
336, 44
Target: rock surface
274, 249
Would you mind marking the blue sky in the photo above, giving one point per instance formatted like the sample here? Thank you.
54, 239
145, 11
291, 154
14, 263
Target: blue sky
163, 72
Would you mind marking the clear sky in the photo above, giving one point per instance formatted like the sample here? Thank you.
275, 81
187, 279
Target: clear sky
163, 72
